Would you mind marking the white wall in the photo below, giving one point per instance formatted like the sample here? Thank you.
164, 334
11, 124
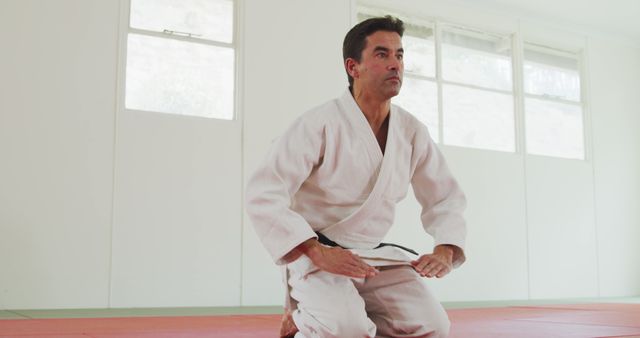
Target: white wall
615, 105
105, 208
496, 266
293, 61
57, 99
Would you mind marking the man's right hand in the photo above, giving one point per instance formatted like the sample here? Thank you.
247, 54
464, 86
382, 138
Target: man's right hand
336, 260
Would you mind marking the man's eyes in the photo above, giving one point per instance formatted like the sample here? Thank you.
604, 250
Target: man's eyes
383, 55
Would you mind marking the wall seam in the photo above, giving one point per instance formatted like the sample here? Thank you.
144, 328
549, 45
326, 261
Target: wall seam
240, 82
121, 50
115, 147
589, 153
520, 130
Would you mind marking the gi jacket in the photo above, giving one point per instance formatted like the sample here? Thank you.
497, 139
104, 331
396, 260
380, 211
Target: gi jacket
327, 173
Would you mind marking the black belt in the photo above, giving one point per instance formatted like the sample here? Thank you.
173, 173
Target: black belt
326, 241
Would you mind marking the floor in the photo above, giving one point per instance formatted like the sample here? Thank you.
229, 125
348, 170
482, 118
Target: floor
512, 319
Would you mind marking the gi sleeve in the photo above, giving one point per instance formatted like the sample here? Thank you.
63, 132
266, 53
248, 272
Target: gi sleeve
440, 196
270, 190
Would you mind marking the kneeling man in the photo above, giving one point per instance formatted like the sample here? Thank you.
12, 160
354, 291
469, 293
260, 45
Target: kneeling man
324, 199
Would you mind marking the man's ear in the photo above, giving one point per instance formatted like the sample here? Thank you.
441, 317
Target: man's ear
351, 66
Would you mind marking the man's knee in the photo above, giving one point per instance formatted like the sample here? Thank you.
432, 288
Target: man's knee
424, 322
437, 324
441, 327
340, 325
352, 326
419, 327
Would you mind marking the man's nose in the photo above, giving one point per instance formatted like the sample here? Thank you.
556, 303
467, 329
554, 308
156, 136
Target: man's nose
394, 64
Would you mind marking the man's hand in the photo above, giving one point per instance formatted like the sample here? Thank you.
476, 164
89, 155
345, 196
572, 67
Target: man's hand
437, 264
336, 260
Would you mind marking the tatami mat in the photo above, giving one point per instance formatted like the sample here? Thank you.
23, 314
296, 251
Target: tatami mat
558, 320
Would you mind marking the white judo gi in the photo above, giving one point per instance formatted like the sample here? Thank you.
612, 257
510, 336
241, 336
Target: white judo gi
328, 174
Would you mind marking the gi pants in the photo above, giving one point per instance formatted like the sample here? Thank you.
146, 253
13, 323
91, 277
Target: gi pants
395, 303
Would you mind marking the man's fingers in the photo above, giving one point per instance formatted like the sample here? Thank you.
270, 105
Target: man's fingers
430, 269
359, 272
348, 269
439, 270
356, 267
434, 270
445, 270
423, 264
443, 273
431, 266
372, 271
368, 268
360, 268
344, 262
369, 271
354, 274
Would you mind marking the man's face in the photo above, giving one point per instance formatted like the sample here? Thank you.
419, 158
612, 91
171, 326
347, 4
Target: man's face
381, 66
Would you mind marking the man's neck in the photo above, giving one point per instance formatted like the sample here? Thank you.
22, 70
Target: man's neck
374, 109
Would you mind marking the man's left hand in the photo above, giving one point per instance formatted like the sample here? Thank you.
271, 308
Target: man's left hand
438, 264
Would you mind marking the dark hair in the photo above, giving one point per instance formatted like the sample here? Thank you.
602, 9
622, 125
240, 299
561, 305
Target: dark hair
356, 39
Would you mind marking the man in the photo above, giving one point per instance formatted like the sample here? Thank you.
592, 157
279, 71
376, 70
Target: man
325, 197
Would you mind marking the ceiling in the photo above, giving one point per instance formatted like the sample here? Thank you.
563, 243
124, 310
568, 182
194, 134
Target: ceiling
618, 17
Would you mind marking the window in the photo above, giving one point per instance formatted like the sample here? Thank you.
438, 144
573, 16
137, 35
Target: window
419, 94
467, 99
478, 105
420, 97
181, 57
553, 110
459, 81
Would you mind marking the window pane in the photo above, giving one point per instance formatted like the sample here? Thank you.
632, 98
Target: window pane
419, 50
206, 19
554, 129
478, 119
183, 78
420, 98
476, 59
552, 75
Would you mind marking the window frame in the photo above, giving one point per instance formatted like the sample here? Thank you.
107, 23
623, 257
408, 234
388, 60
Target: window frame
440, 26
579, 56
518, 42
123, 34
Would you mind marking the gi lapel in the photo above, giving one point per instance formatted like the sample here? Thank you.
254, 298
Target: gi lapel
370, 205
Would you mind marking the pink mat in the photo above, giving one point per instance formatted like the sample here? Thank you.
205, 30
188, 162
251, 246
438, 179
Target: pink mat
614, 320
205, 326
584, 320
